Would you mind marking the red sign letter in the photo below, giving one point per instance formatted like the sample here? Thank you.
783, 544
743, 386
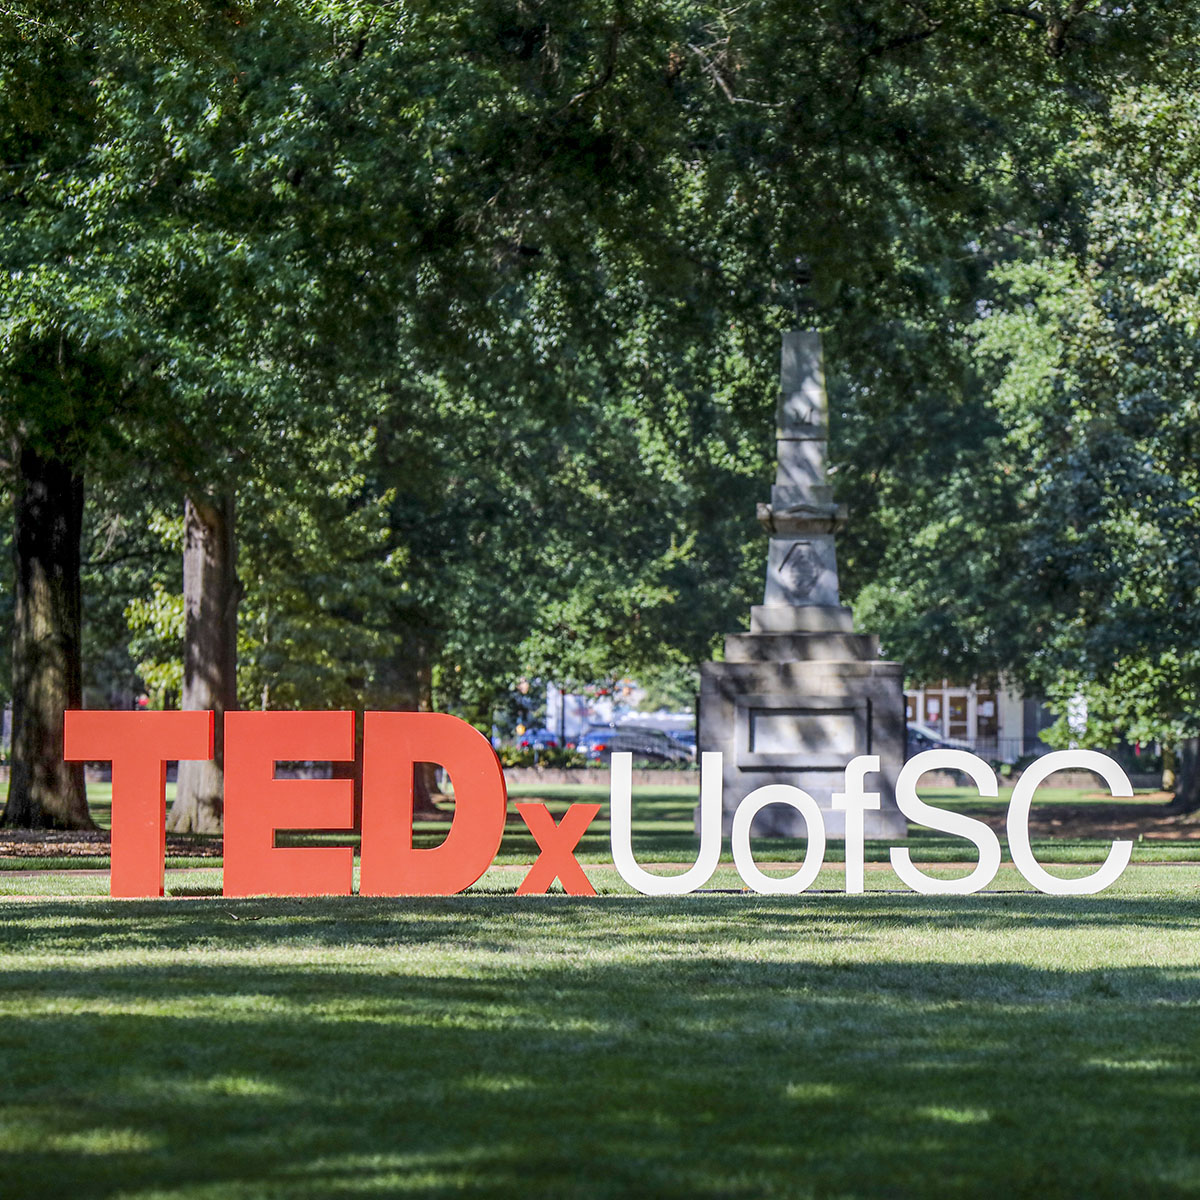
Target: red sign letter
139, 745
557, 844
393, 742
256, 803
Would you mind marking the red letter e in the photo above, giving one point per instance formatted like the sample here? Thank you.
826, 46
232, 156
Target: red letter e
257, 804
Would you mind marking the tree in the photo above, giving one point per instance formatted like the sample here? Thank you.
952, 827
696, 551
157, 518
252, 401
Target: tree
1099, 386
77, 355
334, 199
1061, 528
123, 269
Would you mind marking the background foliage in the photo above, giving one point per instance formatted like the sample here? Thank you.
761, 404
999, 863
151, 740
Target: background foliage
476, 308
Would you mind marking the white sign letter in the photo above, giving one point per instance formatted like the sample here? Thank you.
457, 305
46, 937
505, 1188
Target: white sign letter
1018, 822
743, 818
915, 809
621, 816
854, 801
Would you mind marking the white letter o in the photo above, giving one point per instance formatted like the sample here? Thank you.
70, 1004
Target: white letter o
743, 818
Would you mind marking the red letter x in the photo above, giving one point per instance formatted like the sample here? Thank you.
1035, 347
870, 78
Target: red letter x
557, 844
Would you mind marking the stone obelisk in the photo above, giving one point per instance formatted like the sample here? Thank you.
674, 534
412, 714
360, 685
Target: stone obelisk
801, 694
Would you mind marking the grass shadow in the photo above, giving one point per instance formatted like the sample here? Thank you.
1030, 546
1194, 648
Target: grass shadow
703, 1047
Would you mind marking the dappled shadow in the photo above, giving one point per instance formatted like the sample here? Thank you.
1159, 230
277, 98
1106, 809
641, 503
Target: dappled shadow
1102, 820
300, 1048
332, 920
51, 843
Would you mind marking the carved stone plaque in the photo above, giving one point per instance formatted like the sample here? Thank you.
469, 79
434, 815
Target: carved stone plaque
800, 569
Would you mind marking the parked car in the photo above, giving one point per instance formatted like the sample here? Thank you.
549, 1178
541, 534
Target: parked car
921, 737
600, 743
593, 743
686, 738
538, 739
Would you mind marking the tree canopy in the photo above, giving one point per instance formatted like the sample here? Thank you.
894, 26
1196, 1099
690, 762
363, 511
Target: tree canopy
1046, 530
464, 317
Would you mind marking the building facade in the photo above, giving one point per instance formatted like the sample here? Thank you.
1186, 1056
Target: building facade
993, 721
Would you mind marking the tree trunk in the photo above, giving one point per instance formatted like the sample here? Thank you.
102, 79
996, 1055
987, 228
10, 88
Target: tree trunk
44, 792
1187, 776
405, 684
1168, 768
425, 785
211, 593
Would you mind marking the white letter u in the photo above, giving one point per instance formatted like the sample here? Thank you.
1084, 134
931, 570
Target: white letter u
621, 825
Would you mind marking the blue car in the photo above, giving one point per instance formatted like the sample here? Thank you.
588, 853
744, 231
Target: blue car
921, 737
599, 744
538, 739
686, 738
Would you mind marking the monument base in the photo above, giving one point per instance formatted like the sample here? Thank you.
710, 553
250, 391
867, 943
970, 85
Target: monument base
800, 722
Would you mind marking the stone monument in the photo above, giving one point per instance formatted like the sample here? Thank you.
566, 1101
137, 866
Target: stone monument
801, 694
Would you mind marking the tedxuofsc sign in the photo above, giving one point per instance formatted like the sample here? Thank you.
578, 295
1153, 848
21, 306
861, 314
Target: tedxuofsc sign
140, 744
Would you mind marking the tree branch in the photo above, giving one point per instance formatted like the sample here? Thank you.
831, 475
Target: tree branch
1056, 27
905, 39
1026, 14
710, 65
108, 561
610, 65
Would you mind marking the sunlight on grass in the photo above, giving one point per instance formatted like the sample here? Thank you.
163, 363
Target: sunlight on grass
955, 1116
708, 1045
721, 1044
663, 833
36, 1137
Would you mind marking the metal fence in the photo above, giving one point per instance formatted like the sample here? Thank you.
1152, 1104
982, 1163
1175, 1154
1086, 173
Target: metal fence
1132, 758
1002, 749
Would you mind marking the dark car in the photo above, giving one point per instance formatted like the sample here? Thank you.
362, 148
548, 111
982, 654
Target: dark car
600, 744
594, 742
686, 738
538, 739
921, 737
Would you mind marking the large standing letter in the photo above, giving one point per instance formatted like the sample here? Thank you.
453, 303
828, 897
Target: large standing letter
557, 845
814, 854
915, 809
621, 832
854, 802
139, 746
1018, 822
393, 743
257, 804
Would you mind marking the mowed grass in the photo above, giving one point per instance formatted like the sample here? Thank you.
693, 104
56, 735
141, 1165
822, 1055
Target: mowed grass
663, 829
713, 1045
708, 1046
663, 832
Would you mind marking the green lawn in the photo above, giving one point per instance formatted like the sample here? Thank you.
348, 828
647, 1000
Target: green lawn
663, 831
714, 1045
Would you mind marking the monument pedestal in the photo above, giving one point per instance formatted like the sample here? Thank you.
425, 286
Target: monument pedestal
802, 694
796, 708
